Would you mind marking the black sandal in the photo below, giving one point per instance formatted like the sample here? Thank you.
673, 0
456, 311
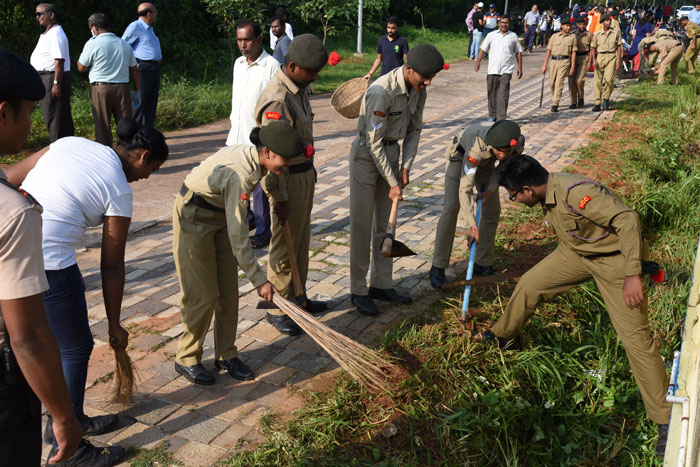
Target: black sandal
256, 242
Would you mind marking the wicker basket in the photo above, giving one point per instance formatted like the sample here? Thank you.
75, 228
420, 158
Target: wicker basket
347, 99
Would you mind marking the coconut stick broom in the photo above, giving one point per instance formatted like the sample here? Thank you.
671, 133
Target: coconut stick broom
124, 378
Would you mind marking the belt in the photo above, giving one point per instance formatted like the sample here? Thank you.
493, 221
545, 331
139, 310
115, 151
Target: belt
198, 200
560, 57
388, 142
581, 54
603, 255
46, 72
300, 168
100, 83
611, 52
154, 62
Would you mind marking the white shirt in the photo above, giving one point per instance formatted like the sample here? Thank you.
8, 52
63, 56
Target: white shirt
78, 182
248, 82
52, 46
502, 49
273, 38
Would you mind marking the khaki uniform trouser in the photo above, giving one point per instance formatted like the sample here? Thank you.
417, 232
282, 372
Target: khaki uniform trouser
208, 275
671, 60
691, 56
109, 101
578, 80
604, 72
454, 204
558, 74
562, 270
300, 192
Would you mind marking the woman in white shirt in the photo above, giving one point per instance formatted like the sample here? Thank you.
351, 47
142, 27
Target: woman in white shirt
81, 184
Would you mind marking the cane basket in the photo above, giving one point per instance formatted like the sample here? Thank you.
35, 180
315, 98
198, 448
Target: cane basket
347, 99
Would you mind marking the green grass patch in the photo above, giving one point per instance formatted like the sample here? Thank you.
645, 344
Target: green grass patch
153, 457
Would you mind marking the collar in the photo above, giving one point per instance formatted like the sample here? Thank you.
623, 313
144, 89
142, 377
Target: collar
257, 61
144, 24
287, 81
400, 81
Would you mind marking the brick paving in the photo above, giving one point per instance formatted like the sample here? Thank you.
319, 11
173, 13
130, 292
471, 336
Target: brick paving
204, 424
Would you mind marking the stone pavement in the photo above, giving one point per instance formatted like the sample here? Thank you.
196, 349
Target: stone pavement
204, 424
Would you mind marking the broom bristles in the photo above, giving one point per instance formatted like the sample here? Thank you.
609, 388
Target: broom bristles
124, 378
366, 366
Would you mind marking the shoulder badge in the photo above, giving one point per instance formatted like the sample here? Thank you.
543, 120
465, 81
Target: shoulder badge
583, 202
272, 115
472, 160
379, 114
245, 196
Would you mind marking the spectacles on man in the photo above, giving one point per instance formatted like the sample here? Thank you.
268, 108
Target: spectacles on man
39, 13
512, 197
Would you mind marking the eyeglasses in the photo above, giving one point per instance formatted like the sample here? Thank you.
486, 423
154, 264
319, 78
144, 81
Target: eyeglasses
512, 197
39, 13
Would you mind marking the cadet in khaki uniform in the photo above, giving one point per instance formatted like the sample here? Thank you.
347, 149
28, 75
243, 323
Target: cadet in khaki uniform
650, 60
392, 109
578, 79
692, 30
671, 52
482, 145
211, 241
606, 55
615, 22
599, 238
285, 99
562, 50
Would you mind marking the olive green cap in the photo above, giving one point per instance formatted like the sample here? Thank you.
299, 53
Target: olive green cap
605, 17
566, 20
581, 19
503, 134
18, 79
279, 137
308, 52
425, 59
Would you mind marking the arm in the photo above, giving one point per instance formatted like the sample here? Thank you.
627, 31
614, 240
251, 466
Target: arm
375, 65
134, 72
546, 60
82, 68
573, 60
477, 65
376, 110
58, 76
412, 138
114, 234
16, 173
519, 59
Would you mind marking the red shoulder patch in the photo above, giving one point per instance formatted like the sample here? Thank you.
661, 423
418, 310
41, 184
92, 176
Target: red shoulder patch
379, 114
272, 115
309, 151
472, 160
584, 201
245, 196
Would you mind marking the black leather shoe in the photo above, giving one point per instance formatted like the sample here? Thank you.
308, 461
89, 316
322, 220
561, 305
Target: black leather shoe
91, 426
484, 270
364, 305
195, 373
555, 108
258, 242
487, 337
88, 455
572, 106
606, 104
661, 443
235, 368
315, 306
284, 324
596, 108
437, 277
390, 295
580, 103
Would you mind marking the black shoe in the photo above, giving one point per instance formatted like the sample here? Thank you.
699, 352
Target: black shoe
596, 108
364, 304
484, 270
606, 104
91, 426
235, 368
487, 337
437, 277
88, 455
284, 324
195, 373
258, 242
572, 106
555, 108
580, 103
266, 305
315, 306
390, 295
661, 443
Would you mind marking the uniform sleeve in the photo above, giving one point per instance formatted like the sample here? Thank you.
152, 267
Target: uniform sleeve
549, 44
376, 109
412, 138
594, 41
618, 38
274, 185
21, 261
466, 186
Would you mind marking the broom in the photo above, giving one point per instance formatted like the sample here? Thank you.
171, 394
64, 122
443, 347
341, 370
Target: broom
123, 392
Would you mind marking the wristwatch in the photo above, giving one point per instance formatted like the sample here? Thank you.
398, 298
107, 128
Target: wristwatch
56, 82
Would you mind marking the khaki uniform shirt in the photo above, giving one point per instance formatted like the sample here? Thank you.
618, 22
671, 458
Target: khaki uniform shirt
226, 180
283, 100
589, 219
615, 24
692, 29
21, 260
605, 42
666, 45
562, 45
583, 41
657, 36
391, 110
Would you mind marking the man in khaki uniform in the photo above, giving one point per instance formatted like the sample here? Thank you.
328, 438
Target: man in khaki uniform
606, 55
471, 162
650, 60
210, 242
578, 79
285, 99
671, 52
562, 50
392, 110
601, 239
692, 31
615, 22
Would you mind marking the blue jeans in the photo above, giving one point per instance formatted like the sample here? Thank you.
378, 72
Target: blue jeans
476, 42
66, 311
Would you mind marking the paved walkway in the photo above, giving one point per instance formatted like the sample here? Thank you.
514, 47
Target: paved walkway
203, 424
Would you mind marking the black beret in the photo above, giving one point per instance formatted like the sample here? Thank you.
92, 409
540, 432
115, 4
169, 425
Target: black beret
279, 137
581, 19
425, 59
605, 16
647, 46
615, 13
18, 79
308, 52
566, 20
503, 134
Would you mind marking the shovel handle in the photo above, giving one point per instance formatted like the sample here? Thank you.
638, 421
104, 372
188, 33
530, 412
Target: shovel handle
390, 228
296, 280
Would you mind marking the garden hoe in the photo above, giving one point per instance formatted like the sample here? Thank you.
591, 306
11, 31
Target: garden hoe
393, 248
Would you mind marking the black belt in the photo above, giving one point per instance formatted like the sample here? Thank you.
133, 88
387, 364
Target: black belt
153, 62
603, 255
388, 142
560, 57
44, 72
101, 83
300, 168
198, 200
612, 52
581, 54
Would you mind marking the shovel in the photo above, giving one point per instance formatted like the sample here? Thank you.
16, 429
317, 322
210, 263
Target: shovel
393, 248
296, 280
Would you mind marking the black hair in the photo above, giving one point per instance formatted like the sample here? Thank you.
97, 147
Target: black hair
280, 11
253, 25
393, 20
506, 17
131, 135
99, 20
277, 18
49, 8
255, 138
145, 11
520, 171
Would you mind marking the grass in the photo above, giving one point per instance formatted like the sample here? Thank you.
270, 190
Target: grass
568, 398
152, 457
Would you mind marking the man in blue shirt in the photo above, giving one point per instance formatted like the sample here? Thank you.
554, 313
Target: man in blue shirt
531, 19
277, 26
110, 61
694, 15
146, 45
391, 49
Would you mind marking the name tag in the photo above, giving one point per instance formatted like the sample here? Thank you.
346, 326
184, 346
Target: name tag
394, 114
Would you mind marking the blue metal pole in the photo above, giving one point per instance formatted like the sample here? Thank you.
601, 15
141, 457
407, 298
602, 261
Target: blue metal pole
470, 268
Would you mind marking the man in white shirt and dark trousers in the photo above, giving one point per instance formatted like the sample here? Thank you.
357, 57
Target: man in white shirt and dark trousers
251, 73
51, 59
281, 12
504, 51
